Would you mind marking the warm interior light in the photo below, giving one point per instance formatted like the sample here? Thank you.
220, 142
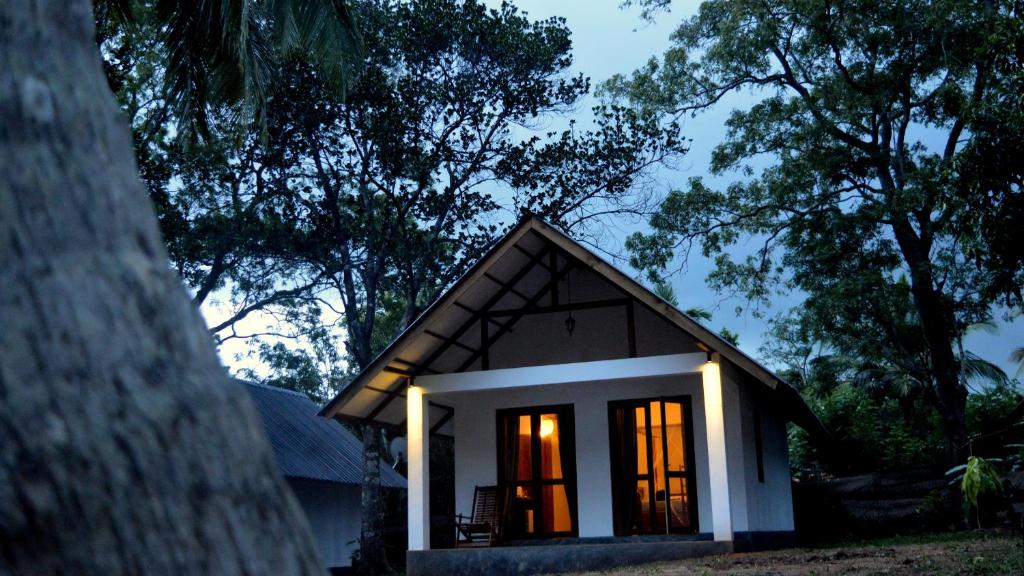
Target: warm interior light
546, 428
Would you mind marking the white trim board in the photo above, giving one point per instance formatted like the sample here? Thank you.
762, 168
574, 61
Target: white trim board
644, 367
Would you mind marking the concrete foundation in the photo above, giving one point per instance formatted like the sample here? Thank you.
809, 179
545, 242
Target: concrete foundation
554, 559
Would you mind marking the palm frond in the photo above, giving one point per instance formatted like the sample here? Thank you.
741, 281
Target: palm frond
666, 292
987, 326
977, 369
1018, 356
228, 52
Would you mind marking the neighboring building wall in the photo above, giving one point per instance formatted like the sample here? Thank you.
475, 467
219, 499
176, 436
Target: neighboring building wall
476, 439
332, 510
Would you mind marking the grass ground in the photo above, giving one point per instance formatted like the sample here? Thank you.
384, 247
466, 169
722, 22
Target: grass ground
970, 554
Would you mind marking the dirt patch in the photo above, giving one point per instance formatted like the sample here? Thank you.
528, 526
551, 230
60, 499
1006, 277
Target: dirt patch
974, 557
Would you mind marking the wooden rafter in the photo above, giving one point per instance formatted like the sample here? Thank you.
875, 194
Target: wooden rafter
529, 254
444, 338
494, 299
530, 304
448, 413
398, 371
387, 401
607, 303
416, 367
474, 312
553, 269
511, 290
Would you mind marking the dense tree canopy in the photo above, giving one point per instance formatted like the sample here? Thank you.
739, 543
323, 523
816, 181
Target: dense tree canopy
343, 209
887, 194
337, 219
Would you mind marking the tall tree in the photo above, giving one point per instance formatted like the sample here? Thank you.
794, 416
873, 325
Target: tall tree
126, 448
871, 115
358, 210
399, 187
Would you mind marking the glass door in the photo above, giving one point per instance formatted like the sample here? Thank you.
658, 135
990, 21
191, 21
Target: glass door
652, 466
537, 471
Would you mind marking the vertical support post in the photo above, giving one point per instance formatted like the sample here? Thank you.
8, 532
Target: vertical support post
485, 346
553, 269
631, 328
418, 440
718, 467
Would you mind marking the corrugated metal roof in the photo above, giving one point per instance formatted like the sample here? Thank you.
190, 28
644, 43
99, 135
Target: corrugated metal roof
309, 446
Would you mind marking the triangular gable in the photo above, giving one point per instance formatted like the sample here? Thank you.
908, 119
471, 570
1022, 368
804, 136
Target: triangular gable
375, 393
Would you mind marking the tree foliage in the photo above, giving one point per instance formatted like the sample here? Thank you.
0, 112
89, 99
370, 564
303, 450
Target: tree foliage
345, 210
876, 200
217, 54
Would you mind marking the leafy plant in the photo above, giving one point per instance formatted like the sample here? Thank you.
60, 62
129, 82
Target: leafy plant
979, 476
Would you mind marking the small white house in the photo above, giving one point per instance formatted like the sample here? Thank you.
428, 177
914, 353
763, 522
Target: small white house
613, 425
323, 464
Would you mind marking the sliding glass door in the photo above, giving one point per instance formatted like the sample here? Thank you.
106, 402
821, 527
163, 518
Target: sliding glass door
653, 484
537, 471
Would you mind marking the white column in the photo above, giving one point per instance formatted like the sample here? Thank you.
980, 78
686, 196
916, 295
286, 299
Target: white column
418, 440
718, 467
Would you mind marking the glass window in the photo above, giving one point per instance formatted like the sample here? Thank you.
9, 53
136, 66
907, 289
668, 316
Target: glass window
641, 441
557, 517
524, 470
536, 471
675, 434
652, 481
550, 452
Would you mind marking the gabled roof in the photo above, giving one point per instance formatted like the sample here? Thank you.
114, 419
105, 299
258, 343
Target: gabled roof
307, 446
375, 393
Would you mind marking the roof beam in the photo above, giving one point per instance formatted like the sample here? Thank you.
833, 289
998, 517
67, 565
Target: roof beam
416, 367
530, 304
394, 370
502, 283
529, 254
608, 303
589, 371
449, 412
387, 401
444, 338
476, 313
494, 299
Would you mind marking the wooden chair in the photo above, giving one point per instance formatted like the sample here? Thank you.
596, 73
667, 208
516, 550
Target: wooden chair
481, 529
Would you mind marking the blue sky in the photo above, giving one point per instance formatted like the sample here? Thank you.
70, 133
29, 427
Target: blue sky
608, 40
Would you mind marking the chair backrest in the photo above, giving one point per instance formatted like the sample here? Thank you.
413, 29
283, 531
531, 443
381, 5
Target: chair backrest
485, 505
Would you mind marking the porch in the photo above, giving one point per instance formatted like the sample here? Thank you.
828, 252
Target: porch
571, 410
599, 412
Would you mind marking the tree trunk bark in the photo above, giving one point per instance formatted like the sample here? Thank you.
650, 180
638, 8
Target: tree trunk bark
124, 447
372, 553
938, 324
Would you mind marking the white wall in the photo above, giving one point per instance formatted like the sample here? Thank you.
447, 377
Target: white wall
755, 506
332, 510
476, 431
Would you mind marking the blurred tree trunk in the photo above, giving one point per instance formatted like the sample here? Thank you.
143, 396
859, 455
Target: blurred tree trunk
372, 552
124, 448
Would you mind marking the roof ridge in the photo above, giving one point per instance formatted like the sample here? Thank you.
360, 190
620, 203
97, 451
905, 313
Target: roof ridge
274, 388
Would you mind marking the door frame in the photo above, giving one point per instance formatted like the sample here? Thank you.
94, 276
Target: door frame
566, 417
690, 474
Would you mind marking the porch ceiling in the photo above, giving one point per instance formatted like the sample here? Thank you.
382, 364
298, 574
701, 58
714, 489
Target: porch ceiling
511, 280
